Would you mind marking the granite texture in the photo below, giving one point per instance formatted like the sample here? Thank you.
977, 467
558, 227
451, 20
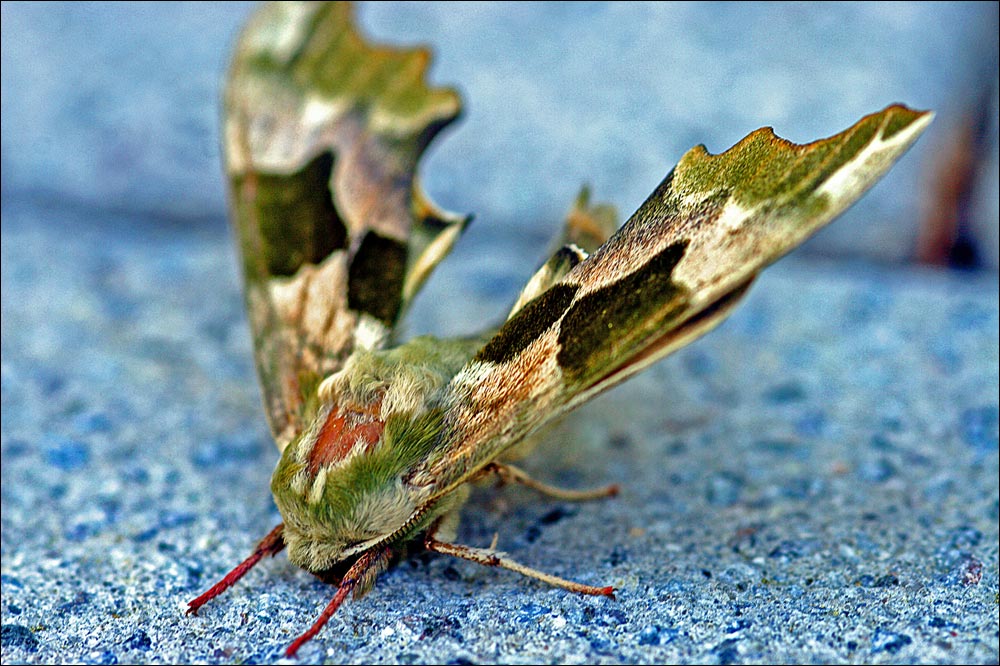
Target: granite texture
116, 105
816, 480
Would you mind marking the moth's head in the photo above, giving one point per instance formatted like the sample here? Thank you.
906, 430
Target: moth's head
341, 485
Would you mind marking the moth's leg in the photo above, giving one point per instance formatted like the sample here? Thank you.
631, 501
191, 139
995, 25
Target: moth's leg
510, 474
271, 545
489, 557
360, 576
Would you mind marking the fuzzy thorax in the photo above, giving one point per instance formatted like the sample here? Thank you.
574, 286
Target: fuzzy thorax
342, 484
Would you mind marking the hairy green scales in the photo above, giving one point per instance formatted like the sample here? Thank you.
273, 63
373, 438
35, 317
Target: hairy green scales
407, 440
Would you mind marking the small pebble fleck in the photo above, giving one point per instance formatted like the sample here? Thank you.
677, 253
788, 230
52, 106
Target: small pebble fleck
106, 657
620, 441
10, 580
791, 549
724, 488
971, 570
531, 611
612, 617
600, 645
81, 600
876, 471
726, 652
964, 537
67, 454
139, 640
92, 422
617, 556
888, 580
884, 640
18, 636
785, 393
81, 531
649, 636
939, 623
737, 626
811, 424
980, 427
442, 625
555, 515
171, 519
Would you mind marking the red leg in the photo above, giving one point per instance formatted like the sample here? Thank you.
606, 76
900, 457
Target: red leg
369, 561
271, 545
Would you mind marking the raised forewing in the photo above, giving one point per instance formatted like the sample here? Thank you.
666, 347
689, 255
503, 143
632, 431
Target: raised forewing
322, 137
674, 270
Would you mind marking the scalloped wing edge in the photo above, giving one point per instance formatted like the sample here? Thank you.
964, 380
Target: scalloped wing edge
676, 269
323, 134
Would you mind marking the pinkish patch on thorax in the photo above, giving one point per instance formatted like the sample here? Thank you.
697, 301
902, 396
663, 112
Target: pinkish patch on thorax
346, 427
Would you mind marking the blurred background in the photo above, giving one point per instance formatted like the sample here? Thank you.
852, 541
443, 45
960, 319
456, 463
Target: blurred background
114, 107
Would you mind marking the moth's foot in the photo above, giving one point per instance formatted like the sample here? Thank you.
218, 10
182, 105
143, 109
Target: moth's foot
360, 575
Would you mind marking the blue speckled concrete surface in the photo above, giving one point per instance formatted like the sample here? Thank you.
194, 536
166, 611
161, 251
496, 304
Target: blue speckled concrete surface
816, 480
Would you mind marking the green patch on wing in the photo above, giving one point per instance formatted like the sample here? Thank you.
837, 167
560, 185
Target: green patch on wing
612, 324
764, 169
323, 135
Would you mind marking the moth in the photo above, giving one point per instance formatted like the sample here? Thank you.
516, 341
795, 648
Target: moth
379, 441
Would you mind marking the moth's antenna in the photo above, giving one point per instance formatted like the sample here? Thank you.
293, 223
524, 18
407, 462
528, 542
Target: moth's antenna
271, 545
361, 572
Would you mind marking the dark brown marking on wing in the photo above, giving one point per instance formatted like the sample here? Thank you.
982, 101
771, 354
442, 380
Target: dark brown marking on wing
615, 321
528, 324
296, 217
375, 277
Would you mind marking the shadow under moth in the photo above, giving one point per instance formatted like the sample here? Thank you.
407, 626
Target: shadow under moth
379, 441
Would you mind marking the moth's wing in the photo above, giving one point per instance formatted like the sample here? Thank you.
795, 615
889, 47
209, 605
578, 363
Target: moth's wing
552, 271
673, 271
323, 134
586, 227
